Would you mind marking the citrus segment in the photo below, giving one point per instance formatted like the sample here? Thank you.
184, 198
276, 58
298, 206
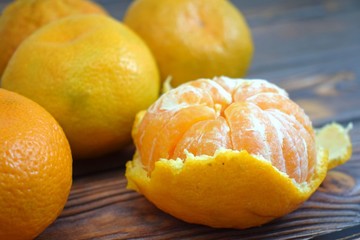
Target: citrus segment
217, 135
180, 120
269, 101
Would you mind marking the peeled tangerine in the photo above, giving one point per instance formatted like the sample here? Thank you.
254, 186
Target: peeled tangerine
231, 153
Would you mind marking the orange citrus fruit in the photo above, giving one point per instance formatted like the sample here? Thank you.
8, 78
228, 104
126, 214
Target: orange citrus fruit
229, 153
193, 39
22, 17
35, 167
92, 73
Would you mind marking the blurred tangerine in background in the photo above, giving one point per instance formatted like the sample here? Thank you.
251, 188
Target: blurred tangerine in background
193, 39
23, 17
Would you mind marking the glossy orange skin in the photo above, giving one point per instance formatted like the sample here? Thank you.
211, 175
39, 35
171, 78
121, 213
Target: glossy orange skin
35, 167
193, 39
23, 17
93, 74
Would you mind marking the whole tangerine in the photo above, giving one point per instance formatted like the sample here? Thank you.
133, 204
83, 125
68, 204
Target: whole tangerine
93, 74
193, 39
35, 167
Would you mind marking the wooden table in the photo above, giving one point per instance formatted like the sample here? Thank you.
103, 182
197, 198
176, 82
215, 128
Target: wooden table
312, 49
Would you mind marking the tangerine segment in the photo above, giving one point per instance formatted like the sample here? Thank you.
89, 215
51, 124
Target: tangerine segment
217, 135
234, 190
173, 125
242, 90
268, 101
203, 92
204, 115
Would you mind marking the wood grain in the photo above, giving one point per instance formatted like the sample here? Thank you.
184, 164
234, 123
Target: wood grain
100, 207
311, 48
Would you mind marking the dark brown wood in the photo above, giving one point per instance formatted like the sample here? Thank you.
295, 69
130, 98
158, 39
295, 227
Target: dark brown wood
312, 49
100, 207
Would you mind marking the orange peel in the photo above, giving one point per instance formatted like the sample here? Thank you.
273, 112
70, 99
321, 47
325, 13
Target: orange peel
336, 140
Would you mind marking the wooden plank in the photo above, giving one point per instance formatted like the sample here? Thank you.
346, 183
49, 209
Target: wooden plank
100, 207
298, 42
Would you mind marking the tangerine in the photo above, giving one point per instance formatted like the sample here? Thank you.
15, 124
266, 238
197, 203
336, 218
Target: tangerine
23, 17
193, 39
229, 153
92, 73
35, 167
